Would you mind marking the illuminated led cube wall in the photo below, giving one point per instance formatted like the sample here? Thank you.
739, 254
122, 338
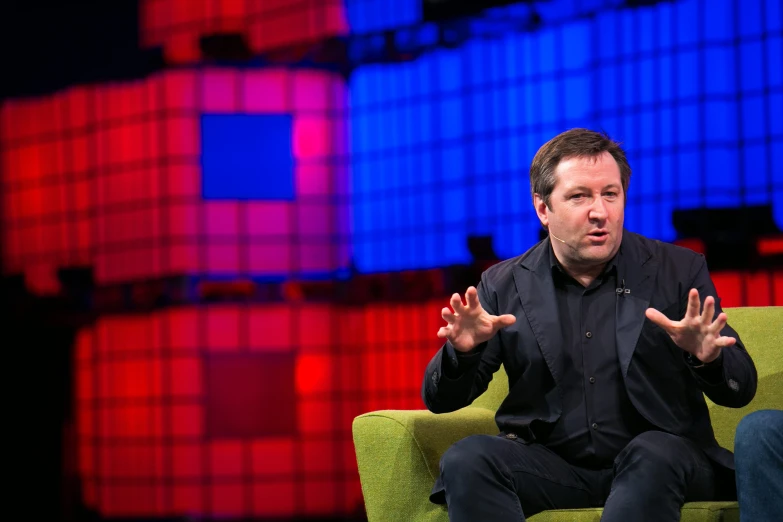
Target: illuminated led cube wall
242, 411
441, 145
203, 172
178, 25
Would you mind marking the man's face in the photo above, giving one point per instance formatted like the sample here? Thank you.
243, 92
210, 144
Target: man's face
587, 210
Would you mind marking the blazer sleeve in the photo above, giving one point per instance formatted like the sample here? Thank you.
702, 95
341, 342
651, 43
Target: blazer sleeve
732, 381
453, 380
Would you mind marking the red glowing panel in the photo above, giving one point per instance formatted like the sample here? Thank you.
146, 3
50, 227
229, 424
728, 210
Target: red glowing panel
188, 498
226, 458
130, 500
275, 499
770, 246
186, 378
318, 457
187, 420
317, 327
228, 500
272, 457
316, 416
250, 395
778, 287
271, 328
222, 328
177, 25
729, 288
320, 496
314, 374
758, 289
350, 368
174, 329
695, 244
188, 460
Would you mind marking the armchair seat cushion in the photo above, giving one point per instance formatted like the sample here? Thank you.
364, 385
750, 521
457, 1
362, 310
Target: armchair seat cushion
691, 512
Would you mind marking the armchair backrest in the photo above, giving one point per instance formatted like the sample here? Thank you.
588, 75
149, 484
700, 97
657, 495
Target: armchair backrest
496, 392
761, 330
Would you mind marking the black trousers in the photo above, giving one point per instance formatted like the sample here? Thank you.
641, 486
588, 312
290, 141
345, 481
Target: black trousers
495, 478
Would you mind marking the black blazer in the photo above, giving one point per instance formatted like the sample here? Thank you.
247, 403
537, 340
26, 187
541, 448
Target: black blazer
663, 388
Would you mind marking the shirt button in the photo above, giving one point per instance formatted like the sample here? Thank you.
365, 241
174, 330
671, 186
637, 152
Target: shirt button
592, 380
595, 426
589, 335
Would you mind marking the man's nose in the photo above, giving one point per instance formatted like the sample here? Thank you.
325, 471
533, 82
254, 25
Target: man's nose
598, 210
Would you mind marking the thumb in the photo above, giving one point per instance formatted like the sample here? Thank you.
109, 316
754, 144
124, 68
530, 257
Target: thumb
504, 320
658, 318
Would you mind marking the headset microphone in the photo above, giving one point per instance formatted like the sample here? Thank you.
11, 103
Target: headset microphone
566, 244
622, 291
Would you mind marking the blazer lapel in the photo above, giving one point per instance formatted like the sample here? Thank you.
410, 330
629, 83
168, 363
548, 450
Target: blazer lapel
533, 280
637, 270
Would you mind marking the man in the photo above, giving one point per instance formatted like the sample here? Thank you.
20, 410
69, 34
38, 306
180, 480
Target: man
607, 350
758, 446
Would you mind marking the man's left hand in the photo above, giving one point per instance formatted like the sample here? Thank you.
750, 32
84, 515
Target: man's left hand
697, 334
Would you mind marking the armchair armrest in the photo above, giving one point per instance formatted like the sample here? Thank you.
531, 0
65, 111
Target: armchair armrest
398, 453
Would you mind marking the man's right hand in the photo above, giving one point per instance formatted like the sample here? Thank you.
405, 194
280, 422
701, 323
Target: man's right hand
470, 325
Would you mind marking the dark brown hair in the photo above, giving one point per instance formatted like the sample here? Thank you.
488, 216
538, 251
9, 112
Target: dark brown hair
574, 143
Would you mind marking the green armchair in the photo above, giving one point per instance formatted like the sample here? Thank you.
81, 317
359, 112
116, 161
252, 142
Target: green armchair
398, 451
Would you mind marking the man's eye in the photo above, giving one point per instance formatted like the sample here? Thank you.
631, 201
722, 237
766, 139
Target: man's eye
577, 196
611, 194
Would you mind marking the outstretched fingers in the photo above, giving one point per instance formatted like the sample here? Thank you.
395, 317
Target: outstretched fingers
694, 304
471, 296
725, 341
444, 332
717, 325
456, 304
448, 315
661, 320
504, 320
708, 314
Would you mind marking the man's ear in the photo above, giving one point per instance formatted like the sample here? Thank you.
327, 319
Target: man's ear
541, 209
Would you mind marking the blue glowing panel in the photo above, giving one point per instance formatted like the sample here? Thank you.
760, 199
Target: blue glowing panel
721, 182
777, 178
751, 65
775, 102
685, 12
773, 11
774, 49
720, 75
751, 19
247, 157
368, 16
719, 21
721, 121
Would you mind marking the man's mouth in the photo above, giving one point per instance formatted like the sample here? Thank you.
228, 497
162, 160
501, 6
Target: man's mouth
598, 234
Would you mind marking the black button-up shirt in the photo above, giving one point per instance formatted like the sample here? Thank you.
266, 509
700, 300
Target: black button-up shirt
598, 419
